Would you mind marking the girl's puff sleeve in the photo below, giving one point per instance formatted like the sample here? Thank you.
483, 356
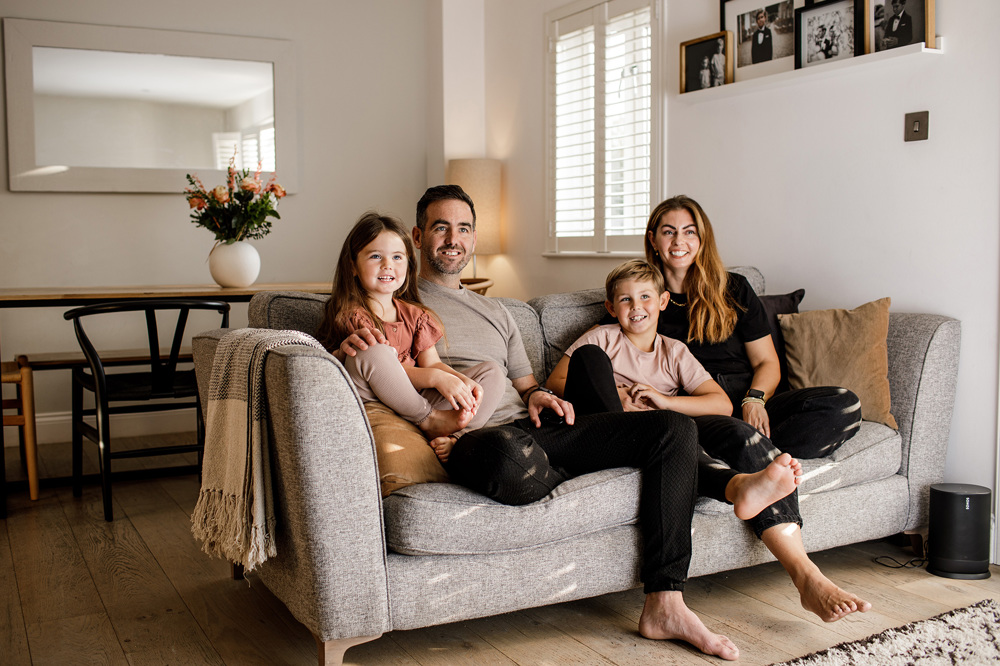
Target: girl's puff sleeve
426, 333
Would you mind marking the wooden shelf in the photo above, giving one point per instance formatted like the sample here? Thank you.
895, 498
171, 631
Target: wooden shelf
795, 76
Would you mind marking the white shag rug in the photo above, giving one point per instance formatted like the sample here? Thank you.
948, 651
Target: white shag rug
969, 635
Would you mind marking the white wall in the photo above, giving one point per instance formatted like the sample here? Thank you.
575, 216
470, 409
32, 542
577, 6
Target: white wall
361, 104
812, 183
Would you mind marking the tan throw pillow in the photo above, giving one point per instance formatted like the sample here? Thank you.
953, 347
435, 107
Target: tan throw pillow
404, 457
842, 348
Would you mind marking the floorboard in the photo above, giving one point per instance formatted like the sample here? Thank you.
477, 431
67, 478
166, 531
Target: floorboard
13, 639
76, 589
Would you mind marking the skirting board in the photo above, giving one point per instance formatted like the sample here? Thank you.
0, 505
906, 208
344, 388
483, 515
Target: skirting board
54, 427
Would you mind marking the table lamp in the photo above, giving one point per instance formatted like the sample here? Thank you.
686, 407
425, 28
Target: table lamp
480, 178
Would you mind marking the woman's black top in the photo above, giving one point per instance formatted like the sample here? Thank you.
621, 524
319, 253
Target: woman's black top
729, 356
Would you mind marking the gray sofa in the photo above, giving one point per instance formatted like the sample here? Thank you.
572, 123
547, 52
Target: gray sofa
352, 565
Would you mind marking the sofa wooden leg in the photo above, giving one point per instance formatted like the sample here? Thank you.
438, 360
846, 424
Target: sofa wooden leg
331, 653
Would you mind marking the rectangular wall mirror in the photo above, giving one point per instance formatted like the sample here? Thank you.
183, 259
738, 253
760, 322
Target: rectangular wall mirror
107, 109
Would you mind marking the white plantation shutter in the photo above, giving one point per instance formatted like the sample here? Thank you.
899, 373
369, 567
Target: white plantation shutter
225, 145
602, 157
251, 146
574, 133
627, 139
267, 152
250, 156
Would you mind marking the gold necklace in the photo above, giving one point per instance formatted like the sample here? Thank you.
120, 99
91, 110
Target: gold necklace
680, 305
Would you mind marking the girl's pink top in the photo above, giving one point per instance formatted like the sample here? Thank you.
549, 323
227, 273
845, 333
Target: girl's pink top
413, 331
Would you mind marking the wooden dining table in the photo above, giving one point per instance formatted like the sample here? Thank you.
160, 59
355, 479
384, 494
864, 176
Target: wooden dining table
51, 297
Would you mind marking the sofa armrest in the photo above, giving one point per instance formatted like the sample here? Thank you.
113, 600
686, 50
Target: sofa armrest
923, 372
330, 570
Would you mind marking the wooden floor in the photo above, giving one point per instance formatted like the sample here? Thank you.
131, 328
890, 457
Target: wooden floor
77, 590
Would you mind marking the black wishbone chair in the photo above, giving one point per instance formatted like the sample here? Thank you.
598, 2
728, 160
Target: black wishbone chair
157, 386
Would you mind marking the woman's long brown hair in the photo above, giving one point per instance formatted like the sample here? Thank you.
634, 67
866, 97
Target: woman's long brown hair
348, 295
711, 311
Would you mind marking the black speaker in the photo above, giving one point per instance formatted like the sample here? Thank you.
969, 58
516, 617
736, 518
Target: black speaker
959, 533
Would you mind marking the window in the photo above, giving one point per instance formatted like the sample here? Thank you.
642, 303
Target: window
250, 148
603, 100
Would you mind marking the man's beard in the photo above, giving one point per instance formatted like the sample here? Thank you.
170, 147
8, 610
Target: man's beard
448, 269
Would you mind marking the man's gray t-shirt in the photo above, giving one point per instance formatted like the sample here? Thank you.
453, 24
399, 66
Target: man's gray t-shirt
477, 329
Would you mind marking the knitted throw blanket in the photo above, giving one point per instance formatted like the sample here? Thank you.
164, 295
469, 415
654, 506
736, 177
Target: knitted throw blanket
234, 516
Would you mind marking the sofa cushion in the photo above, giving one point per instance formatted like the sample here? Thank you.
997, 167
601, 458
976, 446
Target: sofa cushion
446, 519
874, 453
404, 457
287, 310
530, 329
773, 306
843, 348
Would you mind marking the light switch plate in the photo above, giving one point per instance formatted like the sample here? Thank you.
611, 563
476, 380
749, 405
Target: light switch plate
915, 126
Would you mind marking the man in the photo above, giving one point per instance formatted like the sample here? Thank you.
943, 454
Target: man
898, 27
761, 47
534, 441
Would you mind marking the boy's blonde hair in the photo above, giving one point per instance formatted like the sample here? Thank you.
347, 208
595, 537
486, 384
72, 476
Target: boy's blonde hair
634, 269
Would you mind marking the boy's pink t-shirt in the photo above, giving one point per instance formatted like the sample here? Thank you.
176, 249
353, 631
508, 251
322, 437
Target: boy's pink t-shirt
669, 367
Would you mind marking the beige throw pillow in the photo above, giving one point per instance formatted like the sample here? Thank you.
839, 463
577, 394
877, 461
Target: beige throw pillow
404, 457
842, 348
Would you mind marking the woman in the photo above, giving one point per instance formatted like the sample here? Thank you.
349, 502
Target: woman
724, 325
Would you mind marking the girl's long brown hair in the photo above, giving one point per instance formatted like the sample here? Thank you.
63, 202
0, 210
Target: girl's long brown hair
347, 294
711, 311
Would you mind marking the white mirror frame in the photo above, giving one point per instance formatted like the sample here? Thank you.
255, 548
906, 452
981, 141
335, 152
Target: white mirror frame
21, 35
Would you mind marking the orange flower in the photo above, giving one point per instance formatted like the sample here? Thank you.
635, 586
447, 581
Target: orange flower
250, 185
220, 194
277, 190
197, 202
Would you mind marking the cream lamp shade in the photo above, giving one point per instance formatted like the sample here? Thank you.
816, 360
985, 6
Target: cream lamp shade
480, 178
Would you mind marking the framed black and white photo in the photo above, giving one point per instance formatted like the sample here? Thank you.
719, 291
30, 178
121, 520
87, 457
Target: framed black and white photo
827, 31
707, 62
894, 23
764, 35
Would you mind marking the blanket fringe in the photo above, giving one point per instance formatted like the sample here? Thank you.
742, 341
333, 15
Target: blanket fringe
216, 522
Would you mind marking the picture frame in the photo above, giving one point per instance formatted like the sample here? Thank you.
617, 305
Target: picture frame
701, 64
828, 31
760, 50
915, 25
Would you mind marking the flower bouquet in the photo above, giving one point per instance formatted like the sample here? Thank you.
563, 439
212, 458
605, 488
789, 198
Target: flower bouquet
238, 210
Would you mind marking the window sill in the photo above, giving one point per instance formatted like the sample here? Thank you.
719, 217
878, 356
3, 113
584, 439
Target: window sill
591, 255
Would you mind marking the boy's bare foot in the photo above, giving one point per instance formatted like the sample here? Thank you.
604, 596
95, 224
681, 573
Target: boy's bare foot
442, 446
441, 422
821, 596
752, 493
665, 616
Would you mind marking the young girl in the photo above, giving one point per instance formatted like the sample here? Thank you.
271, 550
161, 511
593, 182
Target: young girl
375, 288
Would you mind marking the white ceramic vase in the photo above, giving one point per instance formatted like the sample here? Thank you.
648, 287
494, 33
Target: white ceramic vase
234, 264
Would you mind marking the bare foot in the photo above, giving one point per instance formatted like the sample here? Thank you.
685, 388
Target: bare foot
665, 616
820, 595
752, 493
441, 422
442, 446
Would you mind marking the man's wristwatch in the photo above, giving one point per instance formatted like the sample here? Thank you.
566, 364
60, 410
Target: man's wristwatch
533, 389
753, 395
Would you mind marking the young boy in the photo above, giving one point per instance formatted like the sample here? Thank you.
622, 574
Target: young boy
629, 366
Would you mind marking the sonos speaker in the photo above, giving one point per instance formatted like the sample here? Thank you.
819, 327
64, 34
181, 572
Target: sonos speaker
959, 533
